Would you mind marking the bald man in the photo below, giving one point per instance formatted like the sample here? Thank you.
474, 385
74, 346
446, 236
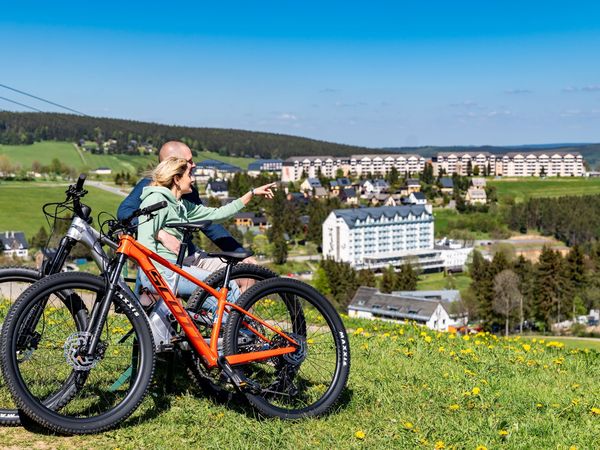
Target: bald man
216, 233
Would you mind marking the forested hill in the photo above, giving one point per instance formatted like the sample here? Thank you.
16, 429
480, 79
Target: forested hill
26, 128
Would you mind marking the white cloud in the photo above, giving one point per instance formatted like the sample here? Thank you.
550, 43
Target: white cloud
288, 116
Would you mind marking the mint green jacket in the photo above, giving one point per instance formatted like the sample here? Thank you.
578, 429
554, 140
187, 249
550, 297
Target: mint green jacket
176, 211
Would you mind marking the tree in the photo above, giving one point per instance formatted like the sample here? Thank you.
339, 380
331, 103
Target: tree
469, 168
40, 239
406, 278
507, 296
388, 280
366, 277
548, 286
392, 176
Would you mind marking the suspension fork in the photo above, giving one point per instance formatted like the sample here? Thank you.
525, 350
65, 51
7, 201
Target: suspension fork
100, 310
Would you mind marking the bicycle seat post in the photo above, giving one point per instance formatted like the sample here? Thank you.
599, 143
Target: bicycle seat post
187, 236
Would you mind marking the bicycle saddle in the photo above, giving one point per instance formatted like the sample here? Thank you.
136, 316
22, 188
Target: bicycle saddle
231, 256
190, 226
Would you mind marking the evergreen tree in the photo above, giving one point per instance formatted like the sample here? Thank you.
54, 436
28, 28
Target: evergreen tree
388, 280
366, 277
548, 287
406, 278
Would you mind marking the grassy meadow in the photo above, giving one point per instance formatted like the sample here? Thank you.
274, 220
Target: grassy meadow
521, 189
66, 152
409, 388
21, 204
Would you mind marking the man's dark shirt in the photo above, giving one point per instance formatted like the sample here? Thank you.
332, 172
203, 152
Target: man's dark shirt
216, 233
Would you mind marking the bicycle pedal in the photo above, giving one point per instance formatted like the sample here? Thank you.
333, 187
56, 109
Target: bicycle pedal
242, 383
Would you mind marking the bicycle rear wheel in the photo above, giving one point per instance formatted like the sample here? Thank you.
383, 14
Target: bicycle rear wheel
307, 382
40, 356
13, 282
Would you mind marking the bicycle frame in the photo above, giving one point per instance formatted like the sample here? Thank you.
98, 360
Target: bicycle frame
129, 247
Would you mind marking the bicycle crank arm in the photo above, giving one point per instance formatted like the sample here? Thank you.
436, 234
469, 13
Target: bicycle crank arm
242, 383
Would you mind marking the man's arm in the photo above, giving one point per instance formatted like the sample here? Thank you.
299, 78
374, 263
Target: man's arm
133, 201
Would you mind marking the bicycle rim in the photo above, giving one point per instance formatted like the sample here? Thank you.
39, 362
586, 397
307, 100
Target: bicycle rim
307, 382
41, 359
13, 282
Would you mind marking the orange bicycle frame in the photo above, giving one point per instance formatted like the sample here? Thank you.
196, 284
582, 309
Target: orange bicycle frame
142, 256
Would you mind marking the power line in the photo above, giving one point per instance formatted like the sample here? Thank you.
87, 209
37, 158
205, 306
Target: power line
43, 100
20, 104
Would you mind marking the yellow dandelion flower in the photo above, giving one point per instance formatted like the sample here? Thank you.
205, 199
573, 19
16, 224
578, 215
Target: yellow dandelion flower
539, 405
427, 339
596, 411
454, 407
481, 447
476, 391
526, 347
360, 435
366, 334
439, 445
408, 425
503, 433
365, 346
441, 349
572, 447
452, 336
466, 337
359, 330
574, 386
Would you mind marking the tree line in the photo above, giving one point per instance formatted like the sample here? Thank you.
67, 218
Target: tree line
507, 294
573, 220
27, 128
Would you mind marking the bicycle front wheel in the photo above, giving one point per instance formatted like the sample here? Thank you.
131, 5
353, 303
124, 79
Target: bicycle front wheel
307, 382
40, 356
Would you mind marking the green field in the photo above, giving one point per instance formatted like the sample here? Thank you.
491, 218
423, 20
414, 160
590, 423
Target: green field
21, 204
45, 152
409, 388
435, 281
521, 189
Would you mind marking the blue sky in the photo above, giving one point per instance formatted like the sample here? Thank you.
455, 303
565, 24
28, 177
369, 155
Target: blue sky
365, 73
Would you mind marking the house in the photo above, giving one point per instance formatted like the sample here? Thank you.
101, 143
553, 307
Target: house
379, 199
349, 196
297, 197
476, 196
309, 185
416, 198
14, 243
250, 219
264, 166
447, 185
102, 171
395, 199
211, 168
478, 183
217, 189
413, 185
375, 186
321, 192
369, 303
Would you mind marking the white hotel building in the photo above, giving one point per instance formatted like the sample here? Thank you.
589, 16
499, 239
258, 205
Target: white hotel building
294, 167
378, 237
512, 164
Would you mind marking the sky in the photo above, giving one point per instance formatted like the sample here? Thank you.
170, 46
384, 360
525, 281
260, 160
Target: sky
371, 73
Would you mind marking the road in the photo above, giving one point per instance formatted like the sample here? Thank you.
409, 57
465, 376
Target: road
107, 188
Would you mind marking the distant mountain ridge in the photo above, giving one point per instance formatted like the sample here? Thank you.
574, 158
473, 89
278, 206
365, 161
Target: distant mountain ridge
26, 128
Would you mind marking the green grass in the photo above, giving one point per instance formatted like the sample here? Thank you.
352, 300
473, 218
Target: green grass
409, 388
521, 189
434, 281
45, 152
479, 225
571, 342
21, 204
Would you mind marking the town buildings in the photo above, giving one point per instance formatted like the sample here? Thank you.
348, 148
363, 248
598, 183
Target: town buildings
512, 164
374, 238
298, 167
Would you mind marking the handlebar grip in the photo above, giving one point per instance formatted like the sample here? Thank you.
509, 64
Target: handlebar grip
150, 209
80, 181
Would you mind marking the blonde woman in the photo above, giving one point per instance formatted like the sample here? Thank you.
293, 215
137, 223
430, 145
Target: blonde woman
171, 179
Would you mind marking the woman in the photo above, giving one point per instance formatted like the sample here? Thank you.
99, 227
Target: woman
171, 179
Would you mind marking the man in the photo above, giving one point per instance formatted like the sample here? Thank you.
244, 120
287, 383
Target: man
216, 232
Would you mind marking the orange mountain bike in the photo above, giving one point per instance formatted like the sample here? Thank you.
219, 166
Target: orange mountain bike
281, 343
